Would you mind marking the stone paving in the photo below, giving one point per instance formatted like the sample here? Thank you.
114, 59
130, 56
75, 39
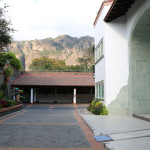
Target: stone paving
126, 132
46, 127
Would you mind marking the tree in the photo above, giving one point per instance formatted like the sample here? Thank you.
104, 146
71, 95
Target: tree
13, 60
5, 30
45, 63
88, 60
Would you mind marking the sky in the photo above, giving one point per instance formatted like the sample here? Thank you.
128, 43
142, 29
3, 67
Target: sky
39, 19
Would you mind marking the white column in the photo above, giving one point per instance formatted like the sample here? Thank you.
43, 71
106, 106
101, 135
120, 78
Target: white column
35, 95
31, 99
14, 97
74, 96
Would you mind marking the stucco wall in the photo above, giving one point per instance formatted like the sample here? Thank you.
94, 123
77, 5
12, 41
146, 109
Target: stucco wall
121, 29
113, 68
116, 58
99, 34
139, 57
117, 69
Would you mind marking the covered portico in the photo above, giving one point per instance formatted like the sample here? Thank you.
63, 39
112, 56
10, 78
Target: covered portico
56, 88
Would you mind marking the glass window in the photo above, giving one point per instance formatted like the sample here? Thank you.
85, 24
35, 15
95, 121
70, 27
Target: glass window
99, 50
100, 90
99, 95
96, 90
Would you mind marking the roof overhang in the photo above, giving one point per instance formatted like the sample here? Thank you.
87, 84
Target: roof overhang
118, 9
105, 3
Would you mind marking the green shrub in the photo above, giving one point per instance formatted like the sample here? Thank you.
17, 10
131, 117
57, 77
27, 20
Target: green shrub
9, 103
93, 103
89, 108
99, 104
14, 103
97, 110
1, 94
7, 72
104, 111
92, 110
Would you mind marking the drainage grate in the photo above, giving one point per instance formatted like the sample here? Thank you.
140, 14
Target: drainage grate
102, 138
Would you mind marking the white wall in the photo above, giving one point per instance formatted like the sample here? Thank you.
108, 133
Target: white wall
114, 67
117, 34
116, 59
99, 29
100, 70
99, 34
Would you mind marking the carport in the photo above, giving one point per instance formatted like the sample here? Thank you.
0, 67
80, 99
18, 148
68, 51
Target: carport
56, 87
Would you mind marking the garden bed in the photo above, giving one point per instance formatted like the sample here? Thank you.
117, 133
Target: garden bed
9, 110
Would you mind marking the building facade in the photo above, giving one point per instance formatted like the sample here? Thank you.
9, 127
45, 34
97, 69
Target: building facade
55, 87
122, 52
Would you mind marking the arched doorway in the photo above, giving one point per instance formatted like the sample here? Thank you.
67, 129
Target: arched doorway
139, 64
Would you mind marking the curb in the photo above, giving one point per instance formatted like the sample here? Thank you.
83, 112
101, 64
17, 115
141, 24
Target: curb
10, 110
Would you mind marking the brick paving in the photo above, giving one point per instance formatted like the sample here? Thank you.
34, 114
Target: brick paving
46, 127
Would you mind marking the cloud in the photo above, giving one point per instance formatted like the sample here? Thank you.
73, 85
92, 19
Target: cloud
50, 18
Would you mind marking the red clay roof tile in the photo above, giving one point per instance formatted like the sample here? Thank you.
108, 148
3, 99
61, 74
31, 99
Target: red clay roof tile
53, 80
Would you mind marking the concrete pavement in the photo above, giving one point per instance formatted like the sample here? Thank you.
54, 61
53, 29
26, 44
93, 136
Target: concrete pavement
126, 132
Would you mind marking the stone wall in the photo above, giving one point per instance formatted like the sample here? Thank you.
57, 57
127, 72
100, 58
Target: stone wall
12, 78
1, 79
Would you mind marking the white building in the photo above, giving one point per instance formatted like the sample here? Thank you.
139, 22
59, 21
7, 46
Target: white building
122, 56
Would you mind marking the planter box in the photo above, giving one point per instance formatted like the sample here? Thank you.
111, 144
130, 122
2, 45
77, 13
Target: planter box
9, 110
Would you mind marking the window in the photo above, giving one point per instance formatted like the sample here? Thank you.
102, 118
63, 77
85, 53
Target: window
99, 50
100, 90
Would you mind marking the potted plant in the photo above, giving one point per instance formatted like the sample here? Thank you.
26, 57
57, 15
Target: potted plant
7, 73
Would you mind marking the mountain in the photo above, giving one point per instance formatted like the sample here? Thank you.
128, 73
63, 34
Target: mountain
63, 47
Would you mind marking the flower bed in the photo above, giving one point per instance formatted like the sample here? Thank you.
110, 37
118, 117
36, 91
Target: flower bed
9, 106
8, 103
9, 110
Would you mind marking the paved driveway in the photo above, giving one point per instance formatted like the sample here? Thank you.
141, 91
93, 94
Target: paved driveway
46, 127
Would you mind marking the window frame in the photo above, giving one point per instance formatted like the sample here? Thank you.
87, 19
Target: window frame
99, 50
100, 90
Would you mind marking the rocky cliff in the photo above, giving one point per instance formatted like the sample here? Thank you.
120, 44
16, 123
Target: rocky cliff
63, 47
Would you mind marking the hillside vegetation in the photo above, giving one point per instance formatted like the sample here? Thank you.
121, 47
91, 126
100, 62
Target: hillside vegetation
64, 47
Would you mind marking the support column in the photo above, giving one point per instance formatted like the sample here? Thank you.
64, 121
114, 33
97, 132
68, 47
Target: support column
31, 98
74, 96
34, 95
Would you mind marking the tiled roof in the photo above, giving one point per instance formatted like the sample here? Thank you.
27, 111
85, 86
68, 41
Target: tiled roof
53, 80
